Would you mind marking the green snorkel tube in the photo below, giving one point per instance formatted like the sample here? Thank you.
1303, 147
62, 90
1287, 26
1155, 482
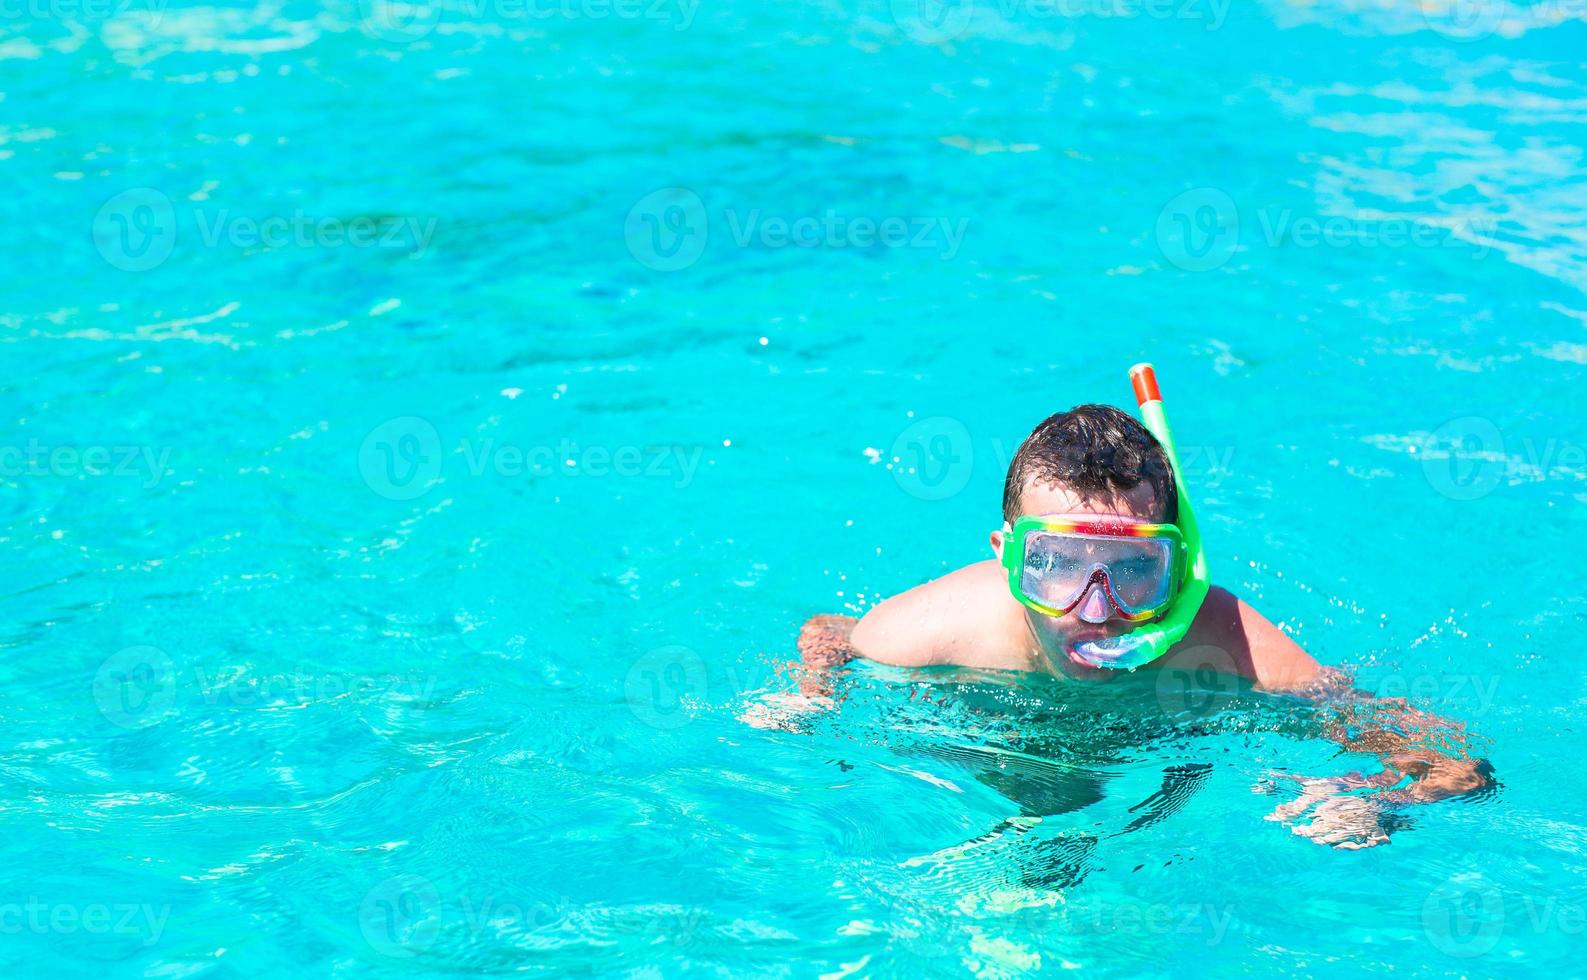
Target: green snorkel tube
1151, 641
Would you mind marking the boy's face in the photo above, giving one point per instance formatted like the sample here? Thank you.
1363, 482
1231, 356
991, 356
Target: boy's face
1090, 620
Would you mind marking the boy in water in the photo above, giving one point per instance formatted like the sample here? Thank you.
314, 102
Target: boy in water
1101, 469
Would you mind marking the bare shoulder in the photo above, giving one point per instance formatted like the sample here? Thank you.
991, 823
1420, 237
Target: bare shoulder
961, 618
1240, 639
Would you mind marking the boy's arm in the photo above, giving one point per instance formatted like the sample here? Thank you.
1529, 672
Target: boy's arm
1389, 728
945, 621
949, 620
898, 631
829, 640
904, 631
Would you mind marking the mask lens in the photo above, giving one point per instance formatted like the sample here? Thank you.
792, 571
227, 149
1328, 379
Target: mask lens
1141, 572
1058, 567
1055, 568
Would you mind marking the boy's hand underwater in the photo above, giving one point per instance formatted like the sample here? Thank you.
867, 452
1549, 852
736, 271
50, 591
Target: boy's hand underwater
1098, 546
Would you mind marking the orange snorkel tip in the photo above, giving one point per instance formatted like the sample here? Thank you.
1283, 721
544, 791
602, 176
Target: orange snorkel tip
1144, 380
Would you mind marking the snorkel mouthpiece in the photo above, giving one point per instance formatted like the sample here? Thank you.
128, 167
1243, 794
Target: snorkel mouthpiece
1125, 652
1147, 643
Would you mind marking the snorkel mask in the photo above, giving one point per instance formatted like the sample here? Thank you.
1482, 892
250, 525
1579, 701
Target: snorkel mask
1152, 574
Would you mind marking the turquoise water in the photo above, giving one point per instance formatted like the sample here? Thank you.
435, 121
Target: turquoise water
430, 425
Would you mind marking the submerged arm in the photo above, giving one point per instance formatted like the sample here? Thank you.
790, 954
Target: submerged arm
1425, 758
825, 642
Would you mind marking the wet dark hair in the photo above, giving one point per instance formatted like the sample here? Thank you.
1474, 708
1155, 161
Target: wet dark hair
1096, 451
